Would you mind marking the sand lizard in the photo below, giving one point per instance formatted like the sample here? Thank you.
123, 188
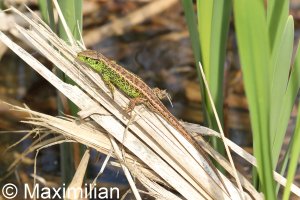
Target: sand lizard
138, 91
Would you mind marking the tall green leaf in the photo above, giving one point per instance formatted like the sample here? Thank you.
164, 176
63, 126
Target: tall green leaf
254, 51
288, 102
295, 152
277, 13
46, 9
213, 25
191, 21
72, 12
281, 62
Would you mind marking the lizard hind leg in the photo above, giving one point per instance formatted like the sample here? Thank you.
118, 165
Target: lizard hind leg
134, 102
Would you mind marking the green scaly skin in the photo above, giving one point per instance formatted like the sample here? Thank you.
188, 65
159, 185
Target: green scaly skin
111, 77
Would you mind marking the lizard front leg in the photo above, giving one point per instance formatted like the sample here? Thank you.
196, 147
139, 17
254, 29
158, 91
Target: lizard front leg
134, 102
137, 101
111, 87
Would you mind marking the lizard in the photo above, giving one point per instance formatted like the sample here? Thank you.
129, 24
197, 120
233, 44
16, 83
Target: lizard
115, 76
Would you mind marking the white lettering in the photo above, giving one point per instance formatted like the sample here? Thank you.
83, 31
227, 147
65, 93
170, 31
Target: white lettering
117, 191
87, 191
74, 193
46, 193
56, 193
103, 194
35, 192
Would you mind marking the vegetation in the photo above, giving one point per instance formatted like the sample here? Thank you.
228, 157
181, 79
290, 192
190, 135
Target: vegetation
265, 35
72, 14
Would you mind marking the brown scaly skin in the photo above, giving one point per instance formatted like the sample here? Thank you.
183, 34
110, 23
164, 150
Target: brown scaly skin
139, 92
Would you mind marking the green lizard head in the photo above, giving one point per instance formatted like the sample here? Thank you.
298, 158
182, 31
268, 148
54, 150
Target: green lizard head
90, 58
86, 55
81, 58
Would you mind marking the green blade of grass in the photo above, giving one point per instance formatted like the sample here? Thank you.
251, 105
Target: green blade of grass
72, 11
46, 9
190, 18
281, 62
294, 155
213, 25
277, 13
286, 108
287, 105
205, 15
191, 21
253, 44
284, 164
